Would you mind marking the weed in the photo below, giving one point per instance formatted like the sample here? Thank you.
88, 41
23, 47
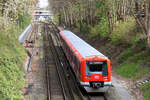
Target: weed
125, 55
140, 73
128, 69
146, 90
12, 55
101, 29
75, 30
124, 32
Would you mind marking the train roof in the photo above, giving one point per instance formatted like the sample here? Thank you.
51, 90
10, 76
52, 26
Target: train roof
82, 47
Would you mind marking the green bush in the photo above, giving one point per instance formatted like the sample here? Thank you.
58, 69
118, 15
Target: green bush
125, 55
143, 56
141, 73
146, 90
11, 64
140, 43
140, 56
75, 30
101, 29
128, 69
12, 56
94, 31
11, 81
124, 32
146, 95
85, 28
24, 19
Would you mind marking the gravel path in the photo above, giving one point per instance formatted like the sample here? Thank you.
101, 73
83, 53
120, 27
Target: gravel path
121, 89
36, 80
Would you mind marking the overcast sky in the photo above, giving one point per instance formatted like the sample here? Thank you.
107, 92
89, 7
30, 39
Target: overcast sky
43, 3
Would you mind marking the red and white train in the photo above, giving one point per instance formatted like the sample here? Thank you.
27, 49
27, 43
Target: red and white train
92, 68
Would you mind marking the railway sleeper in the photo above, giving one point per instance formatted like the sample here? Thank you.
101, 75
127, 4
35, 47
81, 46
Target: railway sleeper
142, 82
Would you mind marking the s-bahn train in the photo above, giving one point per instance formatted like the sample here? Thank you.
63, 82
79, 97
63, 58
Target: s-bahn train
91, 68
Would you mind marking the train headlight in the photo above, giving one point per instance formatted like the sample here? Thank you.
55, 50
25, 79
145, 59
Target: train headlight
96, 77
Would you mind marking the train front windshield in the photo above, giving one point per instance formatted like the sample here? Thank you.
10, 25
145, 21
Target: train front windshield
96, 67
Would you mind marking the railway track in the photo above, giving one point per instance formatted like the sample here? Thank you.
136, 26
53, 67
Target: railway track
54, 86
67, 82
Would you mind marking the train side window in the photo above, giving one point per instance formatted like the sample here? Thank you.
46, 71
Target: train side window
105, 69
79, 66
68, 51
65, 46
71, 53
74, 60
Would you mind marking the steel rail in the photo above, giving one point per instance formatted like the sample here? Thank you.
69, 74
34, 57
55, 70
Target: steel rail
58, 73
65, 62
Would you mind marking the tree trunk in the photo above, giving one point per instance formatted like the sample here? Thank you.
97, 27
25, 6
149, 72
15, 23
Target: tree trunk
65, 15
148, 23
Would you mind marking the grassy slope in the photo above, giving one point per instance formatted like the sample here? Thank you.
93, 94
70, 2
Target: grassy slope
146, 90
136, 66
12, 56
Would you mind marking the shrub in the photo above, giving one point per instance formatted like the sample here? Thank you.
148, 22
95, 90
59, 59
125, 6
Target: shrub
11, 79
24, 19
146, 90
125, 55
143, 56
101, 29
12, 55
124, 32
75, 30
83, 27
141, 73
146, 95
94, 31
128, 69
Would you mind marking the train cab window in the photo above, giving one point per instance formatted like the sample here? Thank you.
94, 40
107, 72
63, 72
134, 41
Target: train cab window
96, 67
